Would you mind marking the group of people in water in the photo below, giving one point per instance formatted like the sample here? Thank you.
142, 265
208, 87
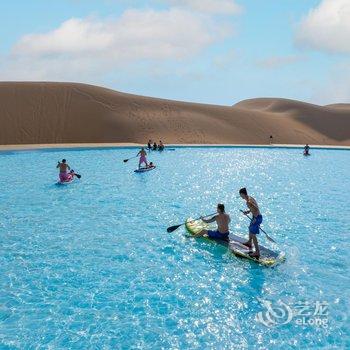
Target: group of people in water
154, 146
66, 174
222, 219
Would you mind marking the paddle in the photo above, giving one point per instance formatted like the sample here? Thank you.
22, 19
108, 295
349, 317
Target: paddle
75, 174
175, 227
267, 236
125, 160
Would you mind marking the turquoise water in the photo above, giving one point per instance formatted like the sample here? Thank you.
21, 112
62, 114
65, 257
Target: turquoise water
91, 266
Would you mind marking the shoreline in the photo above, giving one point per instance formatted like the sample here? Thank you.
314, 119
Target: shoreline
129, 145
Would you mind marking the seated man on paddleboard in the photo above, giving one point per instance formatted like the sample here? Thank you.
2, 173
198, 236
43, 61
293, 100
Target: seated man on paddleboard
222, 220
254, 224
63, 166
143, 158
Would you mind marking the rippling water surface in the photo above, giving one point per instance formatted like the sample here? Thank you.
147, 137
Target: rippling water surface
90, 265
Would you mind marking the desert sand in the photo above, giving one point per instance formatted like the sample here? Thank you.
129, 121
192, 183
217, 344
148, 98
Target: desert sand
62, 113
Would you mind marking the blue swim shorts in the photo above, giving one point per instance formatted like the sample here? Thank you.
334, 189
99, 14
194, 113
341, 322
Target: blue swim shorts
255, 224
218, 235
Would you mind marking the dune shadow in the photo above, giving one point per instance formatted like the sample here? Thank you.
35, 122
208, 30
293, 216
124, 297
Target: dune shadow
334, 125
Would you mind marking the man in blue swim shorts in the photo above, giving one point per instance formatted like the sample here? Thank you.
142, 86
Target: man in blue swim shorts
256, 220
222, 220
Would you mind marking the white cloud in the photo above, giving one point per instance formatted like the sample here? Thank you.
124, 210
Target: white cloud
327, 27
220, 7
135, 35
278, 61
91, 46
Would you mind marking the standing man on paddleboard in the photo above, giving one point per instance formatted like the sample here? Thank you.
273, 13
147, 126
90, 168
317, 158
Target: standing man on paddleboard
143, 158
222, 220
256, 220
63, 166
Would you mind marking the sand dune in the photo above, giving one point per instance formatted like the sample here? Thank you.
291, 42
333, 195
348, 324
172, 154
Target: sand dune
33, 113
340, 105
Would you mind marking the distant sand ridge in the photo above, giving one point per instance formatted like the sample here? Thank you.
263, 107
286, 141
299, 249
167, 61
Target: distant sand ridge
44, 113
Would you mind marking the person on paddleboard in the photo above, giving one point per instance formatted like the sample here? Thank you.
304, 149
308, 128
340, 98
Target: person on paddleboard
143, 158
151, 165
256, 220
222, 220
64, 167
306, 150
71, 174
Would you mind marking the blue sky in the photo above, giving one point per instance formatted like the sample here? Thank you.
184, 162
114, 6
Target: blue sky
210, 51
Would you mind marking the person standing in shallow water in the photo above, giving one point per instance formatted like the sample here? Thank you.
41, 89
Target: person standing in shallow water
149, 145
256, 220
306, 150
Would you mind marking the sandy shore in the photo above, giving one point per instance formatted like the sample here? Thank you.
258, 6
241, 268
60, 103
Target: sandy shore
71, 113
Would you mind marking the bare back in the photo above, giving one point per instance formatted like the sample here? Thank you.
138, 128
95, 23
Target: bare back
223, 221
63, 167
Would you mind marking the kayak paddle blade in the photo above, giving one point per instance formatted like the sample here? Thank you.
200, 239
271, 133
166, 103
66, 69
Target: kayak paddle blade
173, 228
